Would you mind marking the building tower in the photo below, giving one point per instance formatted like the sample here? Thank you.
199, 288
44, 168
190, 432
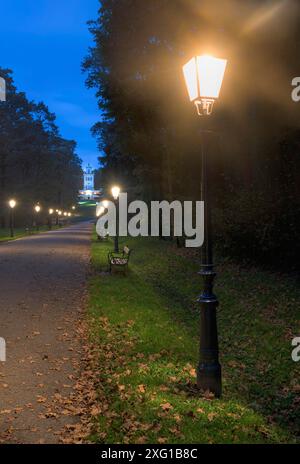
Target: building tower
89, 193
89, 179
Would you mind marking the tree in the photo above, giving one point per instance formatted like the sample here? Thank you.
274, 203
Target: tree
36, 163
149, 135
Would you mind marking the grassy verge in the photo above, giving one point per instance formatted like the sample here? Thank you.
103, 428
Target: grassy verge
145, 329
22, 232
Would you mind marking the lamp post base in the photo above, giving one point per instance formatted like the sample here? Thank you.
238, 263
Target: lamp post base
209, 378
209, 372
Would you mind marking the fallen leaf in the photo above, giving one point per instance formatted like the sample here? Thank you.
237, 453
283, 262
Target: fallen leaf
166, 406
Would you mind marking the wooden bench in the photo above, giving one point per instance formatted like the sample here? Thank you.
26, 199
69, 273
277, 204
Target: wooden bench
119, 260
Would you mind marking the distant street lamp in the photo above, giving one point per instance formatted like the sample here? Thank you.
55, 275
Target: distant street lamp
59, 214
12, 205
73, 208
51, 211
37, 209
56, 217
204, 76
115, 191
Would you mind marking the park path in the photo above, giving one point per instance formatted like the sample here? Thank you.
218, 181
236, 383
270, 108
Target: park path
42, 294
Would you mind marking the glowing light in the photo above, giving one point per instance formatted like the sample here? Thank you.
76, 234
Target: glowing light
105, 204
65, 214
12, 203
100, 211
37, 208
115, 192
51, 211
73, 208
204, 77
59, 213
69, 214
265, 14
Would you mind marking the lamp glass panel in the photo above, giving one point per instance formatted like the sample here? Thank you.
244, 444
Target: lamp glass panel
190, 75
210, 74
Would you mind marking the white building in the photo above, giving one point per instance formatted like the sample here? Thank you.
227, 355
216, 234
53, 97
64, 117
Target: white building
2, 90
89, 178
89, 192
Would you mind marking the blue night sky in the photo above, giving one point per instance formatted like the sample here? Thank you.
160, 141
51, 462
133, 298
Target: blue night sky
44, 43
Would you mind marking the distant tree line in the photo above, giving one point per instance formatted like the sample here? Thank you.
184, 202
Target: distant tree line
36, 163
149, 132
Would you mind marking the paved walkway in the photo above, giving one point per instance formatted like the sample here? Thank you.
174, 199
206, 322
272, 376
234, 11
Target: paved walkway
42, 290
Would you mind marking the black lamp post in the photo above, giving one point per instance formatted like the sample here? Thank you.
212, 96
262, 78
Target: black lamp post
204, 76
12, 205
115, 193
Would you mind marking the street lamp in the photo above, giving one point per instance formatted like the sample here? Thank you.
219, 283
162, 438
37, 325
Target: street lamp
12, 205
51, 211
105, 203
37, 209
115, 191
204, 76
59, 214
